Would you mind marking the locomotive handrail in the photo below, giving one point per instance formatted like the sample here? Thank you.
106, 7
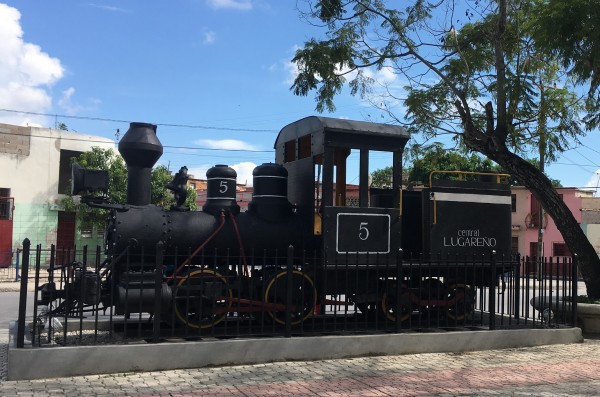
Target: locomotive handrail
239, 238
222, 217
461, 173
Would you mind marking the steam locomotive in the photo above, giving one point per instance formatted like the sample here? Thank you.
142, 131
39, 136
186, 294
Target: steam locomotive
301, 202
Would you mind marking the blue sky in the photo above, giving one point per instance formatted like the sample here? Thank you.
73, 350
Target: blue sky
217, 71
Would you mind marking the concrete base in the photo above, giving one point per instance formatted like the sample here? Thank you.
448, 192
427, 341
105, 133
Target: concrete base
588, 316
54, 362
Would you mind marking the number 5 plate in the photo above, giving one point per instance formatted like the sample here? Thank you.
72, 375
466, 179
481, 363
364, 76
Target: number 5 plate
363, 233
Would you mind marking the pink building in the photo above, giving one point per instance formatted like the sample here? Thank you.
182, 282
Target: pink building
526, 222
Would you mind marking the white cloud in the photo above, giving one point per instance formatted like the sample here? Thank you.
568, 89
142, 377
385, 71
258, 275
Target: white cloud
209, 37
594, 182
291, 72
226, 144
243, 170
385, 75
70, 108
241, 5
109, 8
26, 72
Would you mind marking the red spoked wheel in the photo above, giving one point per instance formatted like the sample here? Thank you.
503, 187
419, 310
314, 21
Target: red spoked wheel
303, 297
409, 302
460, 301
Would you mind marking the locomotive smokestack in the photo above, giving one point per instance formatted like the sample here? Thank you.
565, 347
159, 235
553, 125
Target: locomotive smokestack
140, 149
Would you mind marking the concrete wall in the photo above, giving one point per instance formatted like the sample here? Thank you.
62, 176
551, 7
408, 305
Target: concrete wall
37, 363
29, 164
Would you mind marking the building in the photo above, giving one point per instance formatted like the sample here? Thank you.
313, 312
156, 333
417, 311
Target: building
526, 222
243, 193
590, 220
35, 175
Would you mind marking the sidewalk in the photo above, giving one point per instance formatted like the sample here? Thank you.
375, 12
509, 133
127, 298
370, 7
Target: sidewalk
557, 370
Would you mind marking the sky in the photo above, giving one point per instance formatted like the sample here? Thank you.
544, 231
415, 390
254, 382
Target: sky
215, 75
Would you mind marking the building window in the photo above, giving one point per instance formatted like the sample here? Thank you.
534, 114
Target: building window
86, 233
560, 249
533, 249
64, 171
5, 204
514, 245
534, 213
513, 202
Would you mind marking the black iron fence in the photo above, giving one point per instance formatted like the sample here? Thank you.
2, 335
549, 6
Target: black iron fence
9, 264
172, 294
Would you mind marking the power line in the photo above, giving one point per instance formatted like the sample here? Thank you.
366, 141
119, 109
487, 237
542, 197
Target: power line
164, 146
189, 126
228, 150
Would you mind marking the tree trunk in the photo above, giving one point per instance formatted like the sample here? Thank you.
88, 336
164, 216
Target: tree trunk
541, 187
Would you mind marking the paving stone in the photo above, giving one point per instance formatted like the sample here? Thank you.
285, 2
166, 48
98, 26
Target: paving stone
557, 370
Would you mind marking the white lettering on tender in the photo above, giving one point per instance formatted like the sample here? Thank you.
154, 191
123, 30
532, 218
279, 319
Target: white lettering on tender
469, 242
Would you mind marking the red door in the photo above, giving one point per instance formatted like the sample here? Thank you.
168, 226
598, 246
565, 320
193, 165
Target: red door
65, 236
6, 230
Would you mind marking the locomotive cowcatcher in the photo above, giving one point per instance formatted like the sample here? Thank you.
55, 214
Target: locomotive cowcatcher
301, 202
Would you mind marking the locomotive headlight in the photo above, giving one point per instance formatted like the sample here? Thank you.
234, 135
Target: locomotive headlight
88, 181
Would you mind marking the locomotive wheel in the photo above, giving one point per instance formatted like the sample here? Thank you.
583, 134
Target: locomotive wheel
303, 296
408, 302
202, 299
432, 289
464, 301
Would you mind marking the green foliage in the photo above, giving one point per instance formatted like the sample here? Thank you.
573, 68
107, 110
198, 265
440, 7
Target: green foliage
161, 195
382, 177
460, 64
436, 158
164, 197
569, 29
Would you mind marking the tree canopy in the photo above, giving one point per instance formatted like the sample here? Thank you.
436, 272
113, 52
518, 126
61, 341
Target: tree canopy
469, 69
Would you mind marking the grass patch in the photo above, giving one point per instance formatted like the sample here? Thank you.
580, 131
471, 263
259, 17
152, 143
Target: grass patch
586, 299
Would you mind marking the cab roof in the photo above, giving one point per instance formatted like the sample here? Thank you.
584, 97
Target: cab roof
344, 133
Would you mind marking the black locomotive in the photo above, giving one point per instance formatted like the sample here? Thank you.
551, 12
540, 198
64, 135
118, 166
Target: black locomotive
302, 200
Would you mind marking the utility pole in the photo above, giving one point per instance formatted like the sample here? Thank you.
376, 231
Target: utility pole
542, 124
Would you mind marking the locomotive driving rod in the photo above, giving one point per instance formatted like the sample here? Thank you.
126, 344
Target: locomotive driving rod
251, 306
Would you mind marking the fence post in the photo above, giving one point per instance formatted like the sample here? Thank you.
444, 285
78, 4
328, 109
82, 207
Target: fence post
492, 291
517, 287
574, 288
158, 275
400, 257
17, 265
23, 295
289, 286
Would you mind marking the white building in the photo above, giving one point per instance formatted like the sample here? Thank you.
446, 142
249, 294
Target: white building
35, 174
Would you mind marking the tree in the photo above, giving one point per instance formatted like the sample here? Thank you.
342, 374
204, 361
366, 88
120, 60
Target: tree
108, 160
479, 76
569, 29
382, 177
436, 158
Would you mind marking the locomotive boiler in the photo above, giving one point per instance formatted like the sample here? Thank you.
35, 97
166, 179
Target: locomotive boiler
301, 202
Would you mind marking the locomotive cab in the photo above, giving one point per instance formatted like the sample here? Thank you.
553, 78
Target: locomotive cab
315, 151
